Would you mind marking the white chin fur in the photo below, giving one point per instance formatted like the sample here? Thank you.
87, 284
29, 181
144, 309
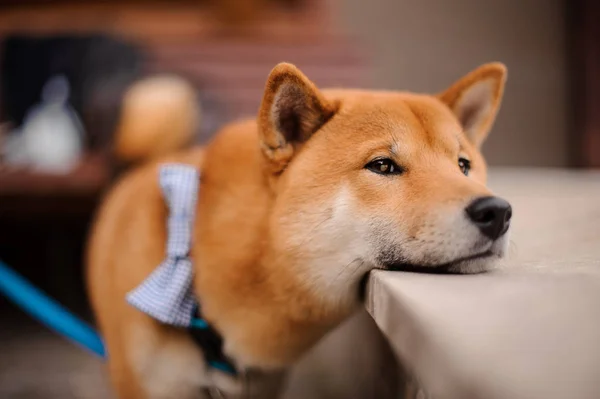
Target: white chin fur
474, 266
480, 265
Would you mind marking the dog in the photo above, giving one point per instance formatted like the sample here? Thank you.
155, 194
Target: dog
294, 208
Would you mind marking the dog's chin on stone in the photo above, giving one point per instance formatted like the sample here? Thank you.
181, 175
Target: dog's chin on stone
479, 263
476, 266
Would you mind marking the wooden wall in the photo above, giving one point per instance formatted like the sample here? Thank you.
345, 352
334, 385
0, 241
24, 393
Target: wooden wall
226, 53
584, 57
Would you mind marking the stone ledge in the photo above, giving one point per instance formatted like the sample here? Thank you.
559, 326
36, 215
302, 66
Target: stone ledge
501, 335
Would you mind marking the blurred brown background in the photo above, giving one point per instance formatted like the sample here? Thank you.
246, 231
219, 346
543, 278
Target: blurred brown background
225, 49
424, 45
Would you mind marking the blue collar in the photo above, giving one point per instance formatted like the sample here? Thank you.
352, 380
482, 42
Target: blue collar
211, 344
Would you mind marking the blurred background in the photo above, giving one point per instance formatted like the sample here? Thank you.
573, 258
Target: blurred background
72, 74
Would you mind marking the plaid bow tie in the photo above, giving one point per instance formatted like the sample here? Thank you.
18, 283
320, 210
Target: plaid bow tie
167, 294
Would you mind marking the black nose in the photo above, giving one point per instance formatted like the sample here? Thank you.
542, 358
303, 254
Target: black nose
491, 215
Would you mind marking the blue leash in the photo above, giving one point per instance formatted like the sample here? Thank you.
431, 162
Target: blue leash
48, 311
57, 318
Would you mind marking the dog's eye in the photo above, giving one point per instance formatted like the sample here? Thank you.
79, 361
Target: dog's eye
464, 165
384, 166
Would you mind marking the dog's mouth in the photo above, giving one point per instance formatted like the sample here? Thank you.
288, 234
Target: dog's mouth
453, 267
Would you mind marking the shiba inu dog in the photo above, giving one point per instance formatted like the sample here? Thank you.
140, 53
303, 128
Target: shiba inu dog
294, 209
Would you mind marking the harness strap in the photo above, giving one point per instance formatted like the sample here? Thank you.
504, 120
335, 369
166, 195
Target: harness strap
211, 343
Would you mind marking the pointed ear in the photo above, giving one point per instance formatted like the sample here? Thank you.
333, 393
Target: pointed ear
475, 100
292, 110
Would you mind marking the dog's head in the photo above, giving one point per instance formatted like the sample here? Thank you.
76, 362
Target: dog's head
393, 180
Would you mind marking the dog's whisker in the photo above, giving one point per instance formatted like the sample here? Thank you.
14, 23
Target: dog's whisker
344, 269
513, 249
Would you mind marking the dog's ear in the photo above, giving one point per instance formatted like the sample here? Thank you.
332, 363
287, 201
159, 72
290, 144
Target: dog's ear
475, 100
292, 110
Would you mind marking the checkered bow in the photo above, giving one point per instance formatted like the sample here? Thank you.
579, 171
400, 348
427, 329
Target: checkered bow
167, 294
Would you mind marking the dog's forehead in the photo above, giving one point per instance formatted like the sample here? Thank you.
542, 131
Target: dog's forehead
399, 116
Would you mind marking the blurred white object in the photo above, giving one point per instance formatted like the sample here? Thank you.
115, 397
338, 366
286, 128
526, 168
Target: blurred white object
50, 139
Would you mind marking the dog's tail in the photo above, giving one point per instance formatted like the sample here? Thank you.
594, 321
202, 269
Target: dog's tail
160, 114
